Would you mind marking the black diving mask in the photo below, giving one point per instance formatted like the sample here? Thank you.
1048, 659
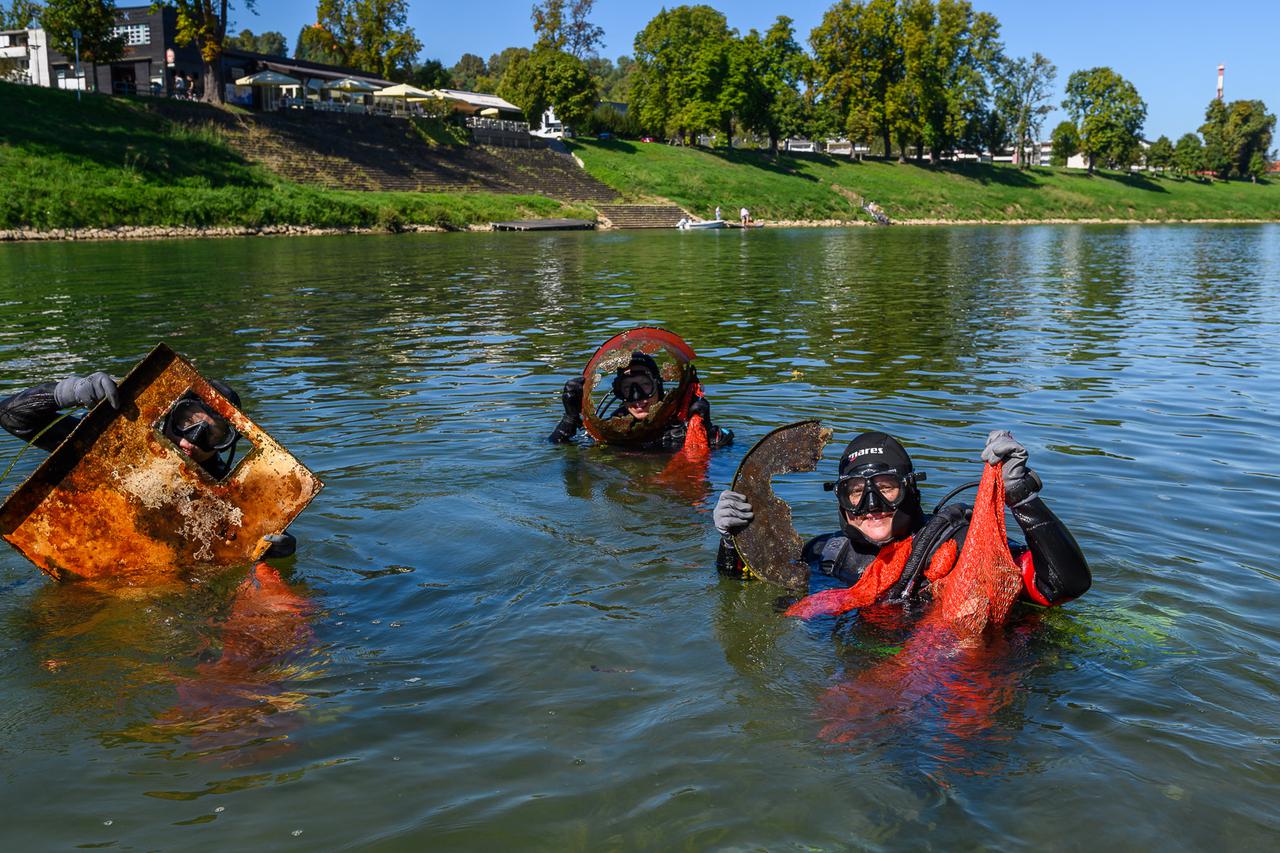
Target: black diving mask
193, 420
873, 491
635, 387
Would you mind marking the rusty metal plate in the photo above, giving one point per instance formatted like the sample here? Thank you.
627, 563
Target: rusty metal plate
599, 414
769, 546
118, 502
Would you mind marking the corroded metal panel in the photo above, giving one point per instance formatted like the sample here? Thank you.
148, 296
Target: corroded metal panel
118, 502
769, 546
674, 358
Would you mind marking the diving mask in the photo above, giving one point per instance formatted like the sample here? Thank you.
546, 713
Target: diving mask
869, 490
192, 419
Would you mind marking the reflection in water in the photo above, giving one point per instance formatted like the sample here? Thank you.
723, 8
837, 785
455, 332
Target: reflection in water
120, 646
240, 705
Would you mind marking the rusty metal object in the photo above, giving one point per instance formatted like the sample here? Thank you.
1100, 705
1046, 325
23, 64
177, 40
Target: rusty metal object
118, 502
769, 546
678, 377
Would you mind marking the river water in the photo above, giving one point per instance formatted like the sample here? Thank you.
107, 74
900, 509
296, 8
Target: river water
489, 642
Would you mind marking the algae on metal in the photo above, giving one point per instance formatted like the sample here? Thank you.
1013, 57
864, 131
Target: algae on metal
677, 375
769, 546
118, 502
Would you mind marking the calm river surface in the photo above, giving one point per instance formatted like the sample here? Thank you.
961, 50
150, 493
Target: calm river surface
502, 644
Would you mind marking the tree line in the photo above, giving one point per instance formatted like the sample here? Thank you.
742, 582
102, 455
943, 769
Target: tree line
908, 78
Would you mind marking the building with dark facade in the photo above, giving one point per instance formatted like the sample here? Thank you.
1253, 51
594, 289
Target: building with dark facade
153, 62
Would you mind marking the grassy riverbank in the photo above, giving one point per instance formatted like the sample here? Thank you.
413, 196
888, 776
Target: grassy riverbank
107, 162
817, 187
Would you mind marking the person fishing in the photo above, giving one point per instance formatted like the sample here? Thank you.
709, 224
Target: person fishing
637, 393
194, 428
890, 550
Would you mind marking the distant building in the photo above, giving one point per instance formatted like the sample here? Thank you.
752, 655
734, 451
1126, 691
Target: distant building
24, 57
476, 103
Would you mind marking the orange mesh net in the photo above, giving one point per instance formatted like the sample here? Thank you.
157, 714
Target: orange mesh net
982, 588
686, 473
883, 573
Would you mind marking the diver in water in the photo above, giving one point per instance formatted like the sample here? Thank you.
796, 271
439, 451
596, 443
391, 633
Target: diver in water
879, 505
196, 430
637, 391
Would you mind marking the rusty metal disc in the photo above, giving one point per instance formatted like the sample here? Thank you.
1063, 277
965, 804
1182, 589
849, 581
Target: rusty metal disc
603, 416
118, 502
769, 546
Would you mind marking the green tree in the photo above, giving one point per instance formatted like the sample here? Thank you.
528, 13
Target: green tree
682, 58
96, 21
1108, 114
860, 66
1065, 142
1023, 89
431, 75
372, 35
1233, 133
468, 71
550, 78
572, 33
765, 78
1160, 154
1258, 165
269, 43
203, 23
316, 44
1188, 154
19, 14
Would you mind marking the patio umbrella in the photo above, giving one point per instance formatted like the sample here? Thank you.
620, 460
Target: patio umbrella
350, 84
491, 112
270, 80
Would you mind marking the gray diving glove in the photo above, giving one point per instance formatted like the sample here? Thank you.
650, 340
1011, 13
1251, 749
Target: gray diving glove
1021, 484
86, 391
732, 513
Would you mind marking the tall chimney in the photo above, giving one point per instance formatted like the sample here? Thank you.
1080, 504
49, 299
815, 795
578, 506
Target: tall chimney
1221, 68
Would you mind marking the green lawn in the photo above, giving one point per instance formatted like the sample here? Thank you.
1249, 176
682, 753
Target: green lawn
816, 187
110, 161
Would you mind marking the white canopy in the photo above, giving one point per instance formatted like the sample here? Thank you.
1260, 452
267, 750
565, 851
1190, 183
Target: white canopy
401, 90
350, 84
268, 78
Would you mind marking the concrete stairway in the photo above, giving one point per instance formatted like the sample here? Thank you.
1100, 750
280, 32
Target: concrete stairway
361, 152
641, 215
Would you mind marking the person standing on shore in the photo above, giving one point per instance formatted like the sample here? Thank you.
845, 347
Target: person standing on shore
744, 217
718, 216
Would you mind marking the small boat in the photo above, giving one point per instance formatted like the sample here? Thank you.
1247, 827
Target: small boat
691, 225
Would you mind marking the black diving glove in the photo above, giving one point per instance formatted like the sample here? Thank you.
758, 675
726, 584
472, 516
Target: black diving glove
86, 391
282, 545
1020, 482
571, 397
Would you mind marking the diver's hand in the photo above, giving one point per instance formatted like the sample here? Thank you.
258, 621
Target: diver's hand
569, 425
1020, 482
86, 391
700, 406
571, 396
732, 513
282, 545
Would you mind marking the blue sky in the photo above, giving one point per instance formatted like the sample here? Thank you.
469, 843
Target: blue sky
1169, 50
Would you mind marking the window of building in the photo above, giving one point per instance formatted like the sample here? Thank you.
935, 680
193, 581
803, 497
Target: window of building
134, 34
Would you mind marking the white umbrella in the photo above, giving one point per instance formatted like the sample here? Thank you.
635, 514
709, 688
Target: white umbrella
268, 78
401, 90
350, 84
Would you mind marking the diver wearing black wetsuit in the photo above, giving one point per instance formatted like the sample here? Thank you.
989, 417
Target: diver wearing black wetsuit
877, 481
639, 383
199, 432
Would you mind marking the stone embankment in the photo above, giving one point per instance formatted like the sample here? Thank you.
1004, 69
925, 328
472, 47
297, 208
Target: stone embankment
162, 232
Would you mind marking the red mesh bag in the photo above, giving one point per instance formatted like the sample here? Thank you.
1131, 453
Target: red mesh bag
984, 584
883, 573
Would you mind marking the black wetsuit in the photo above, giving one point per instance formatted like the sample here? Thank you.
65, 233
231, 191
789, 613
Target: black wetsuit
1054, 570
26, 413
671, 439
